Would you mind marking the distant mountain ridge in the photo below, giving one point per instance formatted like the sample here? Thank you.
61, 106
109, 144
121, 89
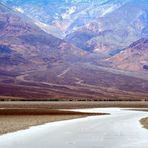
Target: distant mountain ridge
37, 65
66, 14
102, 26
115, 30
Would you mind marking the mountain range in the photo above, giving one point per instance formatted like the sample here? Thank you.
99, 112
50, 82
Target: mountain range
73, 49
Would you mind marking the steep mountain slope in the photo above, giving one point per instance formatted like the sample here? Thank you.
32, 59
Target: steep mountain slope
96, 26
65, 16
19, 36
115, 30
36, 65
25, 48
133, 58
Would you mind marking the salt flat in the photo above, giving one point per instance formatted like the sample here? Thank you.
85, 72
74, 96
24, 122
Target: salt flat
121, 129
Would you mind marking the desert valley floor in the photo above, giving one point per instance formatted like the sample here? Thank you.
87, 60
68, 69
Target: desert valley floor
100, 124
120, 129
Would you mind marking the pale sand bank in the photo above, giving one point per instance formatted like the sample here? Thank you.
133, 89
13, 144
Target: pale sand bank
121, 129
17, 119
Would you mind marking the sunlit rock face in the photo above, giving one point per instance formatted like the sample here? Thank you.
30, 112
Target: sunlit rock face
36, 64
115, 30
66, 16
95, 26
104, 27
25, 45
133, 58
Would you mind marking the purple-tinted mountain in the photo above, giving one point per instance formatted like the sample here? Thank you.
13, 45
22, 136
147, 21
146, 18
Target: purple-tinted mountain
114, 30
37, 65
62, 17
21, 38
96, 26
133, 58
